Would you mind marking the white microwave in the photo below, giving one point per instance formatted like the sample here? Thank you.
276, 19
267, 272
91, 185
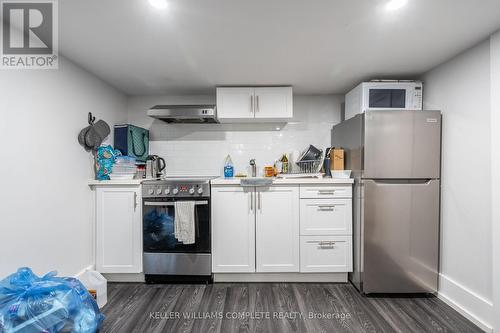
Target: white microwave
397, 95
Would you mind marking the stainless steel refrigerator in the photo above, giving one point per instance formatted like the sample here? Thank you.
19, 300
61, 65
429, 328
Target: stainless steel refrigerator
395, 157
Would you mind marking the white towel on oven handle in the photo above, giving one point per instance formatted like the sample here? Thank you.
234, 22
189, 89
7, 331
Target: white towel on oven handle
184, 229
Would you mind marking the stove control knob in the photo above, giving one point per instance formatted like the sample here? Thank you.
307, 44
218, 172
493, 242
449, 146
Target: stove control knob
167, 190
175, 190
151, 191
158, 191
200, 190
191, 190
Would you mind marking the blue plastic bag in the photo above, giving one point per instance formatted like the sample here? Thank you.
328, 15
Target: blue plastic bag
30, 304
105, 158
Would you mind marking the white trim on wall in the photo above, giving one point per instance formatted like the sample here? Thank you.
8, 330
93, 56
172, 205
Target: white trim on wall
469, 304
466, 250
495, 171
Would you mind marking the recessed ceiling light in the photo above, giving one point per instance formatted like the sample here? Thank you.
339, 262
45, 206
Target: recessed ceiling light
395, 4
159, 4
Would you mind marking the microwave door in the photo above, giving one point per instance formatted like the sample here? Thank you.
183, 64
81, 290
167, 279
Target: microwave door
387, 98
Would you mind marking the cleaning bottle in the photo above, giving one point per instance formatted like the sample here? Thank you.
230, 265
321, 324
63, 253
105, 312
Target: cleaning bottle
228, 167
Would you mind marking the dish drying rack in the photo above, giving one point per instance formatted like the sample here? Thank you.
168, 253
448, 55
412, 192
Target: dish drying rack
302, 169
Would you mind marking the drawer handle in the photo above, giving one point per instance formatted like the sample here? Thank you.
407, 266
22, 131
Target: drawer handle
326, 192
327, 206
326, 244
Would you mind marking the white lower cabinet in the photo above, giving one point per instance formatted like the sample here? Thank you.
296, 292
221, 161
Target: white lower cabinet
325, 254
233, 229
277, 229
255, 229
118, 229
325, 229
281, 229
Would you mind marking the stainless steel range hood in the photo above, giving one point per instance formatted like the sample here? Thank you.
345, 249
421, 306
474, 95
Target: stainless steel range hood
185, 114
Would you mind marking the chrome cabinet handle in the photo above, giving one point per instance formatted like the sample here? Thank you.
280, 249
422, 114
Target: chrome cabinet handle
251, 104
326, 243
251, 201
326, 207
260, 200
135, 201
258, 104
326, 192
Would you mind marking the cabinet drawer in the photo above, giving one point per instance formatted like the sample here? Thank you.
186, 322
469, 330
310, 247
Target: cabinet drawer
325, 254
325, 217
325, 192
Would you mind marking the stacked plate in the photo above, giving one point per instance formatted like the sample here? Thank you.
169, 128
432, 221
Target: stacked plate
124, 168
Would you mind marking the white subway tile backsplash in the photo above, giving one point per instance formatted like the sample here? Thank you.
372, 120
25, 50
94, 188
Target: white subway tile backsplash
201, 149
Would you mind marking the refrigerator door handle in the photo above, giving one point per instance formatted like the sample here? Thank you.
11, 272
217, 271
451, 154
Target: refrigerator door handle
402, 181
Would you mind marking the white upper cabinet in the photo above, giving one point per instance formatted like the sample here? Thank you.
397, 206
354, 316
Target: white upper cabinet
273, 102
235, 103
254, 104
233, 229
118, 229
277, 229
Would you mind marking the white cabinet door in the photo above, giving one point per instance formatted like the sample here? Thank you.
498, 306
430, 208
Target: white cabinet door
233, 229
235, 103
274, 103
277, 229
118, 230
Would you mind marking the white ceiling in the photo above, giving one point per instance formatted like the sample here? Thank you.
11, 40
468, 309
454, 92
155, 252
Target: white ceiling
318, 46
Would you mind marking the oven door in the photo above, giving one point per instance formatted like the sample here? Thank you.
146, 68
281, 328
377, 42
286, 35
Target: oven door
159, 231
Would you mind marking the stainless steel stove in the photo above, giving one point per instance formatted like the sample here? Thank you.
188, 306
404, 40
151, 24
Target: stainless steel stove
166, 259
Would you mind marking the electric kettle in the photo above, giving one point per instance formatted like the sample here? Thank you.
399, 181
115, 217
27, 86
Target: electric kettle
155, 166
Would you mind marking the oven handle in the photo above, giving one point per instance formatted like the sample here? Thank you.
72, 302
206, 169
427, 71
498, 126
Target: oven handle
155, 203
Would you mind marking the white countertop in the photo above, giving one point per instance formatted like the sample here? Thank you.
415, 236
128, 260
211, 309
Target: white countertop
234, 181
286, 181
131, 182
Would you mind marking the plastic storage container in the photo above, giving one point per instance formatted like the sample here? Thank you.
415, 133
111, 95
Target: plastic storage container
342, 174
97, 285
124, 168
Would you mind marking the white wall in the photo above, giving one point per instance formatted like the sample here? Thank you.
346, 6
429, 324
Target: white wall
495, 156
461, 89
45, 202
201, 149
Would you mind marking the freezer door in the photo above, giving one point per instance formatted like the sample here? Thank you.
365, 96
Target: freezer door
401, 236
349, 136
402, 144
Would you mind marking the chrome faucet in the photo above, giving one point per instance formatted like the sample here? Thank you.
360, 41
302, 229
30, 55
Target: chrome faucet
254, 167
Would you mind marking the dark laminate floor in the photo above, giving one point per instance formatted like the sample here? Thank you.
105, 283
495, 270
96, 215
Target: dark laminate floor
244, 307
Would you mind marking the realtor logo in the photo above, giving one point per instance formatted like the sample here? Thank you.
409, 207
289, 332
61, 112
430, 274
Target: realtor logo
29, 35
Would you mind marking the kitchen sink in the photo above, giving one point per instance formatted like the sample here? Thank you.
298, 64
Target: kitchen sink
256, 181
